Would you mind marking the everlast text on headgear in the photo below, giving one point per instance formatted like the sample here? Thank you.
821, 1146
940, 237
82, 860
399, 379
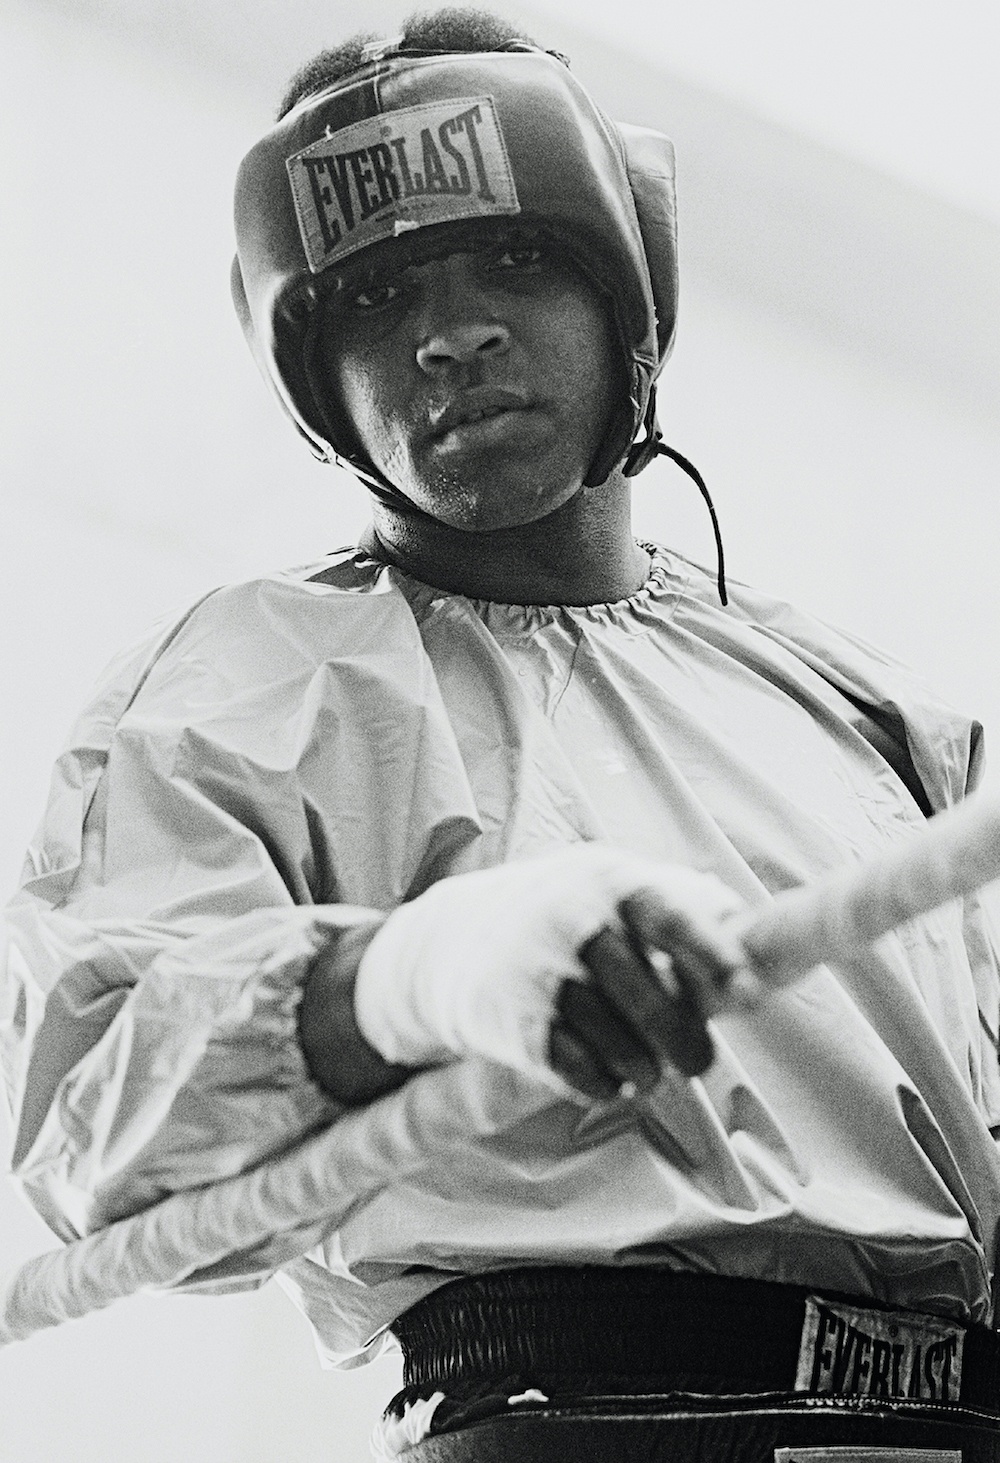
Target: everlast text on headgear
402, 170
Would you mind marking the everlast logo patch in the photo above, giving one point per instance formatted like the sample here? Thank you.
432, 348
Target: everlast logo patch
878, 1353
402, 170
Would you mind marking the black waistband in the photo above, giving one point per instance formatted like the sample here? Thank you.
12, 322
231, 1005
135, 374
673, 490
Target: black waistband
598, 1329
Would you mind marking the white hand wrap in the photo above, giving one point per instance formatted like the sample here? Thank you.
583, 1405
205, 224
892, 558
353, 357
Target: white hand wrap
473, 966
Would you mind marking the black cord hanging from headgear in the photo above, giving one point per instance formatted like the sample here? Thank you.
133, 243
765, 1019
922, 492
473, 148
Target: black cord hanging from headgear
699, 481
641, 454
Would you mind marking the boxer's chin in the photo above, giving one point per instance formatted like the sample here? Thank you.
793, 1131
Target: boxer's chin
487, 492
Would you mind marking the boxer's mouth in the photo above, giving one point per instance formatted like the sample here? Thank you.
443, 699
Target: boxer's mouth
476, 404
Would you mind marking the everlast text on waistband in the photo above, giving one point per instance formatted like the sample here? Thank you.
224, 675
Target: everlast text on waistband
402, 170
868, 1353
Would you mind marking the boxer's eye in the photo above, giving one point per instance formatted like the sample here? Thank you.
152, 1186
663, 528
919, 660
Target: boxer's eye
375, 294
526, 258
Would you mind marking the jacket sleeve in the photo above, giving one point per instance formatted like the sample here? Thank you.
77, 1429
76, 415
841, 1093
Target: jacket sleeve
183, 879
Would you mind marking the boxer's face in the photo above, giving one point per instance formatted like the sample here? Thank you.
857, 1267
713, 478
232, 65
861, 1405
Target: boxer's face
480, 384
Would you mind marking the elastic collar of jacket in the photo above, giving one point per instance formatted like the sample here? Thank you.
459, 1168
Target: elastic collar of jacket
423, 149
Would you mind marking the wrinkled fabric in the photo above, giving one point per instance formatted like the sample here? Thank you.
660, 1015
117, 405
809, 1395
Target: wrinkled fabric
298, 752
392, 1436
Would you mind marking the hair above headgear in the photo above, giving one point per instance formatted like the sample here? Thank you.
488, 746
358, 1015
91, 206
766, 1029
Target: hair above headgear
421, 147
448, 29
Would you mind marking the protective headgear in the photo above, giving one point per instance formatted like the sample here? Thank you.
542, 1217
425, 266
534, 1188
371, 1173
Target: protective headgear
425, 150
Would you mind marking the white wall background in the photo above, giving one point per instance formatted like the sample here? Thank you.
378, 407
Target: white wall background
836, 379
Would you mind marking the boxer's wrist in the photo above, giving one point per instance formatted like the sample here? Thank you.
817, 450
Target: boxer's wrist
340, 1060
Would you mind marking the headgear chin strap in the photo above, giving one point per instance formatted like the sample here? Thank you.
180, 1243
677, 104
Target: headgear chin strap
422, 148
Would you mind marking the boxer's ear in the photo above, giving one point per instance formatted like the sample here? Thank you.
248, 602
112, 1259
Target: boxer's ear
652, 175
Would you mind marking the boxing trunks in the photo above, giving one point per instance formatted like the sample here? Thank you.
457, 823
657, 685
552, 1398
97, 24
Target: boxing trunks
600, 1365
